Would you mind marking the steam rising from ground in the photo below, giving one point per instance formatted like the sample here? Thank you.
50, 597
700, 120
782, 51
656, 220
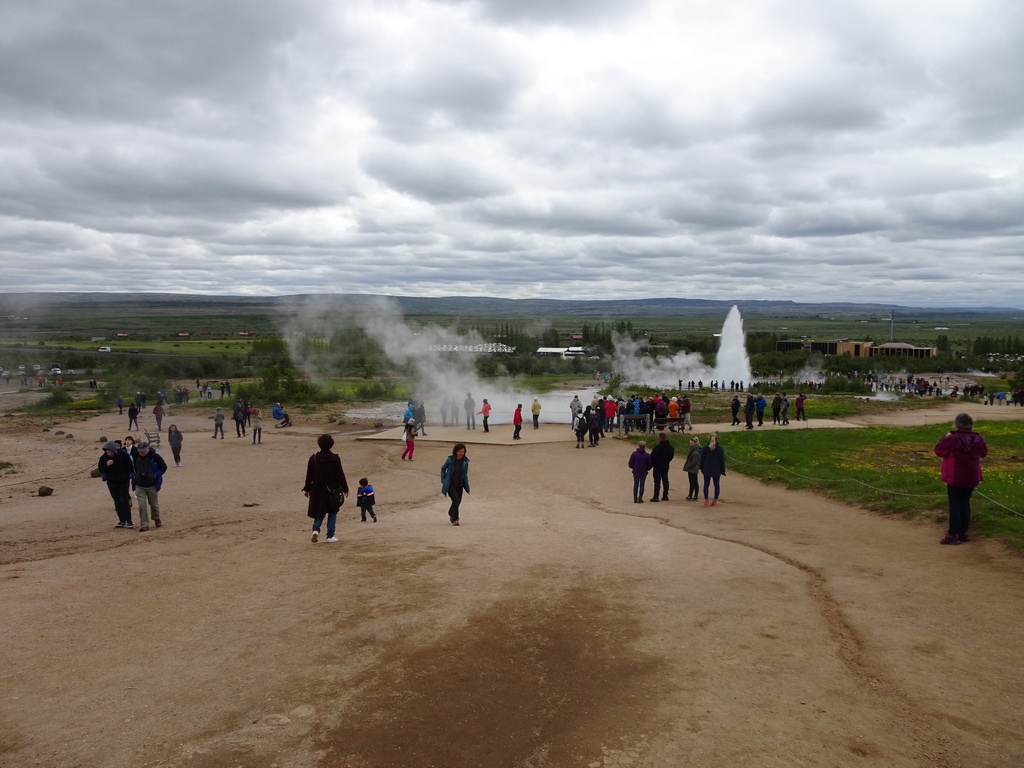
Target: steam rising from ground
440, 371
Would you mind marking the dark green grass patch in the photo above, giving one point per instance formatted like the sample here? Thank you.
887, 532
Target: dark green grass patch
890, 470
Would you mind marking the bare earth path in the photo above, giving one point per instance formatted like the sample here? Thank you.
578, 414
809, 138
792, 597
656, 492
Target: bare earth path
560, 625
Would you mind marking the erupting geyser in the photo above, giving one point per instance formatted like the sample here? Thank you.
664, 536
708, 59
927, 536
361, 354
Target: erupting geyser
733, 364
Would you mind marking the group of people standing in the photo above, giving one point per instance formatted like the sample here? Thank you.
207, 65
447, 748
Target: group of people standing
756, 405
708, 460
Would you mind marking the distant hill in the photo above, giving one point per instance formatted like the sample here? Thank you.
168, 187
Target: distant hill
13, 303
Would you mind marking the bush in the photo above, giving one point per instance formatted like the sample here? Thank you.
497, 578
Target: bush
59, 398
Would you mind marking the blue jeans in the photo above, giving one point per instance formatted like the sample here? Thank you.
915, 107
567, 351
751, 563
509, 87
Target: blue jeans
660, 483
638, 486
332, 518
708, 479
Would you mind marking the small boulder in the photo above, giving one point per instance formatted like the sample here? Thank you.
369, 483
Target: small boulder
45, 490
68, 436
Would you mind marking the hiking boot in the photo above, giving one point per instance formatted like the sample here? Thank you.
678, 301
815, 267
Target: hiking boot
655, 499
947, 539
963, 538
156, 521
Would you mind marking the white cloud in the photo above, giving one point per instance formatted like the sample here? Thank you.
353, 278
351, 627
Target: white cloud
491, 147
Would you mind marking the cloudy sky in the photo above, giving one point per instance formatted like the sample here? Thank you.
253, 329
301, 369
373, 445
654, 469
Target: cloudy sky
863, 150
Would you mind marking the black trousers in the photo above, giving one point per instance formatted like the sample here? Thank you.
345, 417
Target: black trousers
694, 491
122, 500
455, 497
959, 509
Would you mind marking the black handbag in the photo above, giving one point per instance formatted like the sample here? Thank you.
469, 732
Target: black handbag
335, 499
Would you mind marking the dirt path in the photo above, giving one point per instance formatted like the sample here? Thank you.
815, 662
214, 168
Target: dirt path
560, 625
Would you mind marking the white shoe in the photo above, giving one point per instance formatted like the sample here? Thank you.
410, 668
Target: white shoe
332, 540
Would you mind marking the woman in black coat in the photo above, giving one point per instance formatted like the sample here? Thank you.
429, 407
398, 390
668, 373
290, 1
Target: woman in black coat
324, 474
712, 465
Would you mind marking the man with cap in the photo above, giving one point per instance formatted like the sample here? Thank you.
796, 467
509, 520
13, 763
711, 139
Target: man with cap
149, 475
115, 467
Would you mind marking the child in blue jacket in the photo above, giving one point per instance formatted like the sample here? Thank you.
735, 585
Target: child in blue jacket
365, 499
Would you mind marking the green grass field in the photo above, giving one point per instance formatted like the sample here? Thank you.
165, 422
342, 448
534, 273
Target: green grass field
889, 470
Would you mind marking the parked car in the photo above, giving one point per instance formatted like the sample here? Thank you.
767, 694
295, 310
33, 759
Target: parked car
37, 367
71, 372
56, 371
103, 349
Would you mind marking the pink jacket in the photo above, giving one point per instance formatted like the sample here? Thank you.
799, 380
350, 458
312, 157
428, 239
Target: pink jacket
961, 452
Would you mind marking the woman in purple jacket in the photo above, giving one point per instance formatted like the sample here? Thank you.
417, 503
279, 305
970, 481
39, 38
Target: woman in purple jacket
961, 452
640, 462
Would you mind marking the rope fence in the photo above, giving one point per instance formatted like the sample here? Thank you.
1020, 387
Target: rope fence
778, 464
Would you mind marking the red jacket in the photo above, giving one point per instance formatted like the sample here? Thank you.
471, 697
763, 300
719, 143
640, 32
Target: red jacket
518, 418
961, 452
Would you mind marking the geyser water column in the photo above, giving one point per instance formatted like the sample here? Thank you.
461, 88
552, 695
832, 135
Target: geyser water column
732, 363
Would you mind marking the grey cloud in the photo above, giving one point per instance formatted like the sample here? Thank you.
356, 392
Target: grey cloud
123, 60
434, 174
553, 149
567, 12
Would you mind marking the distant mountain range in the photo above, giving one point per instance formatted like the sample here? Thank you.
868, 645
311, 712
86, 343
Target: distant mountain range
11, 303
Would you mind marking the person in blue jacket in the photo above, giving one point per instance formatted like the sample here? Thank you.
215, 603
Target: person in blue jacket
148, 477
455, 480
280, 416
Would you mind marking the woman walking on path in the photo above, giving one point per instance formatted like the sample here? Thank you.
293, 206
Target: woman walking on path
455, 480
961, 451
712, 464
640, 462
692, 466
324, 476
256, 423
485, 411
175, 439
410, 440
